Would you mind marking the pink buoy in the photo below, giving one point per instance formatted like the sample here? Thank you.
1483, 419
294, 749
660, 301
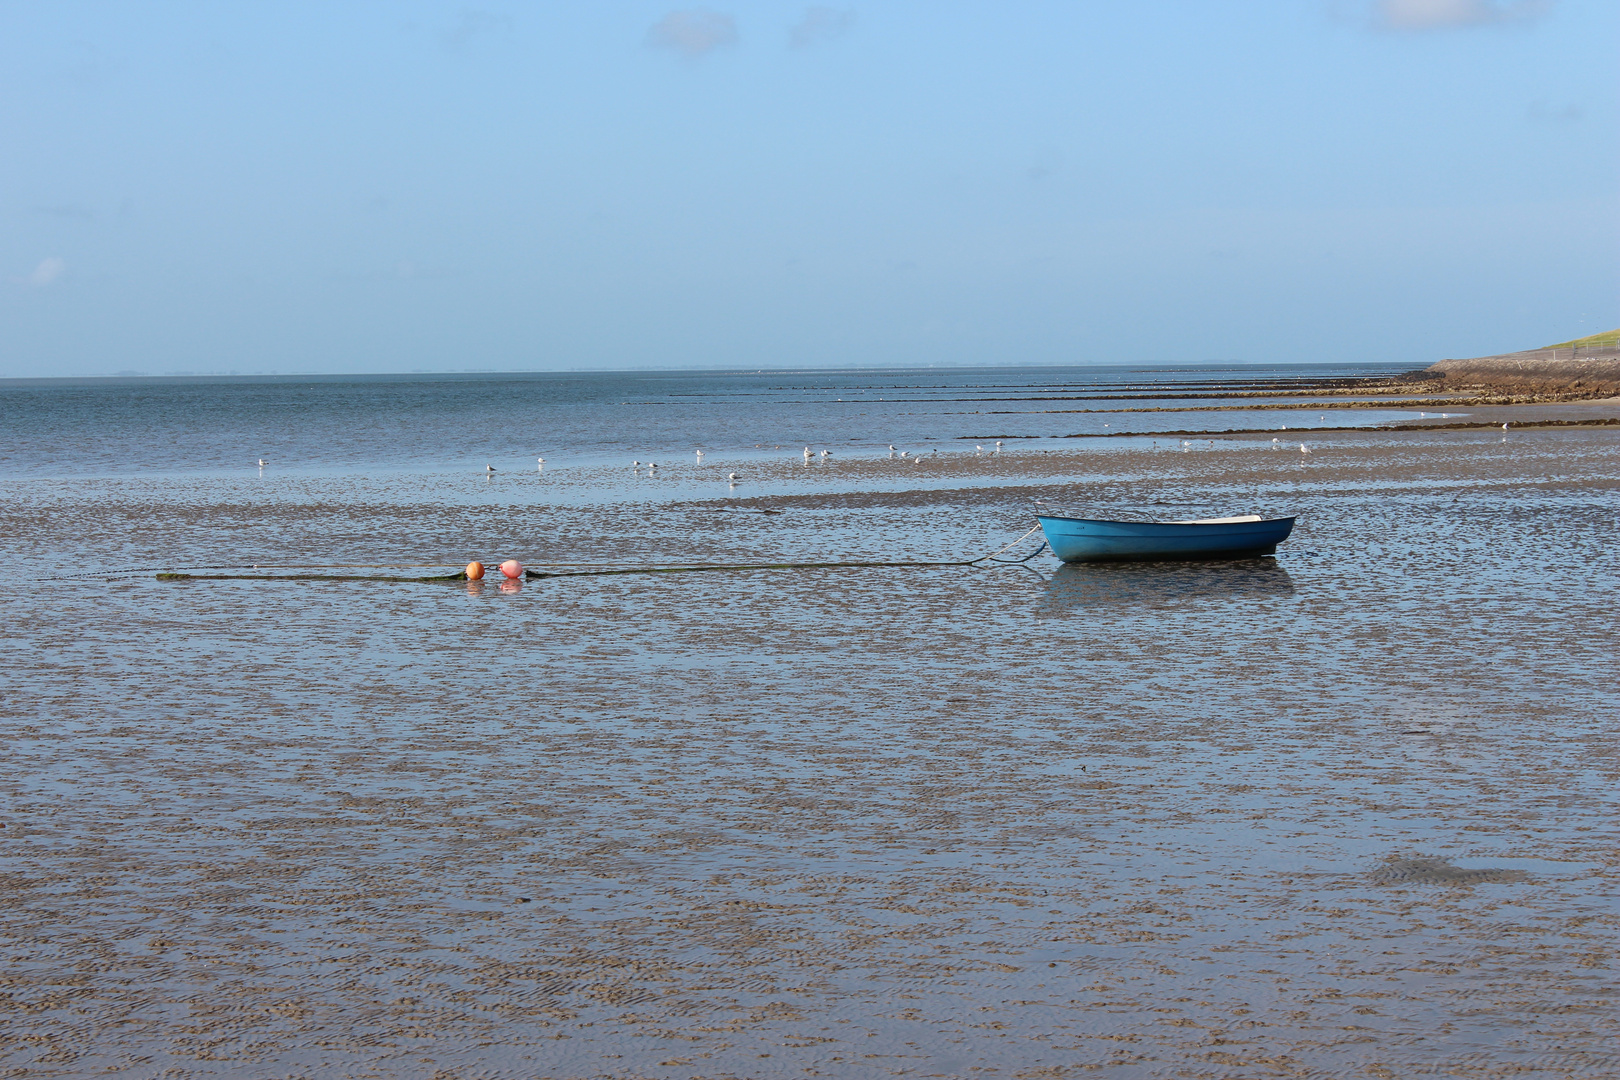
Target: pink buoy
512, 568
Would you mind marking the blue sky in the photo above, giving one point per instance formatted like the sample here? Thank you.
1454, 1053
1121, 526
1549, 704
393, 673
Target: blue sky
365, 187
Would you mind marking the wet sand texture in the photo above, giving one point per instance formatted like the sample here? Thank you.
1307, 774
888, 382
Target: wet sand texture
1347, 814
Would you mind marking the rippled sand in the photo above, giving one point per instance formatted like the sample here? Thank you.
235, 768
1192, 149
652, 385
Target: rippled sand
1348, 813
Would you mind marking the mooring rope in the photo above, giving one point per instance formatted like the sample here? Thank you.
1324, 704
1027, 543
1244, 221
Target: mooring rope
532, 575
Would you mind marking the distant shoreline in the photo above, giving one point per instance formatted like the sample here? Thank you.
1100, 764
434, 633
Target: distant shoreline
1526, 425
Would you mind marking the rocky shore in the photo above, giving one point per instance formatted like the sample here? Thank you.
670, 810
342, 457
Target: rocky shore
1583, 371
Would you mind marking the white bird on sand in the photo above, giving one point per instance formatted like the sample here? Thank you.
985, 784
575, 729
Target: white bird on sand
826, 453
652, 464
977, 449
635, 464
700, 453
1275, 443
905, 453
265, 461
891, 448
733, 477
807, 453
489, 468
541, 460
1504, 428
1304, 449
998, 444
1185, 446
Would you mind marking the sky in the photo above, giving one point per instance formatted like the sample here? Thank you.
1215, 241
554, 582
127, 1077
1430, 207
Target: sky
421, 186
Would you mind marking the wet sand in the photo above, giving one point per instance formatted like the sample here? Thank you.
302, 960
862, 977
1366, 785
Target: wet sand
1345, 813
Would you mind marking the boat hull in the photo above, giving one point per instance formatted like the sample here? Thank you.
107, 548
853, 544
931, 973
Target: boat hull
1088, 540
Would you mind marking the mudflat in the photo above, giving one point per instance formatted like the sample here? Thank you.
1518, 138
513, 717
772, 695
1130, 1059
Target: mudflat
1347, 812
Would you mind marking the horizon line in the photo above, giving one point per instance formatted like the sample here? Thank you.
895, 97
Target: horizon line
727, 370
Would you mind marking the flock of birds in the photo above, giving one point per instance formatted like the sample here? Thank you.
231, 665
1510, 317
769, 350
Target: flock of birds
894, 451
809, 456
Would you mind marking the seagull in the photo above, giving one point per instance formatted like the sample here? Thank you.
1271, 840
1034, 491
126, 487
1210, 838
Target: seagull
1184, 445
1504, 428
265, 461
998, 444
905, 453
652, 464
826, 453
1304, 449
1274, 443
489, 468
635, 464
700, 453
977, 449
541, 460
733, 477
807, 453
891, 448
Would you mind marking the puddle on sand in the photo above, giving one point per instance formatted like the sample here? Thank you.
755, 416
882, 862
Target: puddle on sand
1441, 872
1164, 586
822, 823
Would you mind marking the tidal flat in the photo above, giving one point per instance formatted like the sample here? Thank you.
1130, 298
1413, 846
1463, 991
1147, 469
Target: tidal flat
1348, 812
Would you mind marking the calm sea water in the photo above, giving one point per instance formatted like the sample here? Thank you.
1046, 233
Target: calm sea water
319, 424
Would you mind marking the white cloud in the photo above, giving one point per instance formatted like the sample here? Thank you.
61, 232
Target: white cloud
48, 271
67, 212
1435, 14
1542, 113
695, 32
820, 24
471, 25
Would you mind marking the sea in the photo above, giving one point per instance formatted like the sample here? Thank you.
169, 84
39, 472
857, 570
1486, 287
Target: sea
315, 424
317, 807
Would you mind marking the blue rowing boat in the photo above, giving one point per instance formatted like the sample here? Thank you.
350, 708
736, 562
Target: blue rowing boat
1090, 540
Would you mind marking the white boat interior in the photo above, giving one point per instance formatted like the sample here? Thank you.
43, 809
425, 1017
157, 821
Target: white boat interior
1217, 521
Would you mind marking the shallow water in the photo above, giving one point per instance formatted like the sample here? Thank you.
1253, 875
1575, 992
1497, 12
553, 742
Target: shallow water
340, 425
1050, 822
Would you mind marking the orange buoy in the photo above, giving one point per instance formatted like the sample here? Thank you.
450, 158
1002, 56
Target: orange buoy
512, 568
475, 571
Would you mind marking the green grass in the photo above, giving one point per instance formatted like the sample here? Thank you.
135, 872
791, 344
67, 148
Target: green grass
1610, 338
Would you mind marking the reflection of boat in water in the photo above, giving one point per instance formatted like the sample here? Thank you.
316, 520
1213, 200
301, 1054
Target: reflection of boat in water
1163, 584
1093, 540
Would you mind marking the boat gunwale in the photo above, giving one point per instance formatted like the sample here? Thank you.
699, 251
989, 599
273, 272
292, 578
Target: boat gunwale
1243, 524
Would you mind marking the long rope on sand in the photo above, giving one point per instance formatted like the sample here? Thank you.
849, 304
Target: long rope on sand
531, 575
